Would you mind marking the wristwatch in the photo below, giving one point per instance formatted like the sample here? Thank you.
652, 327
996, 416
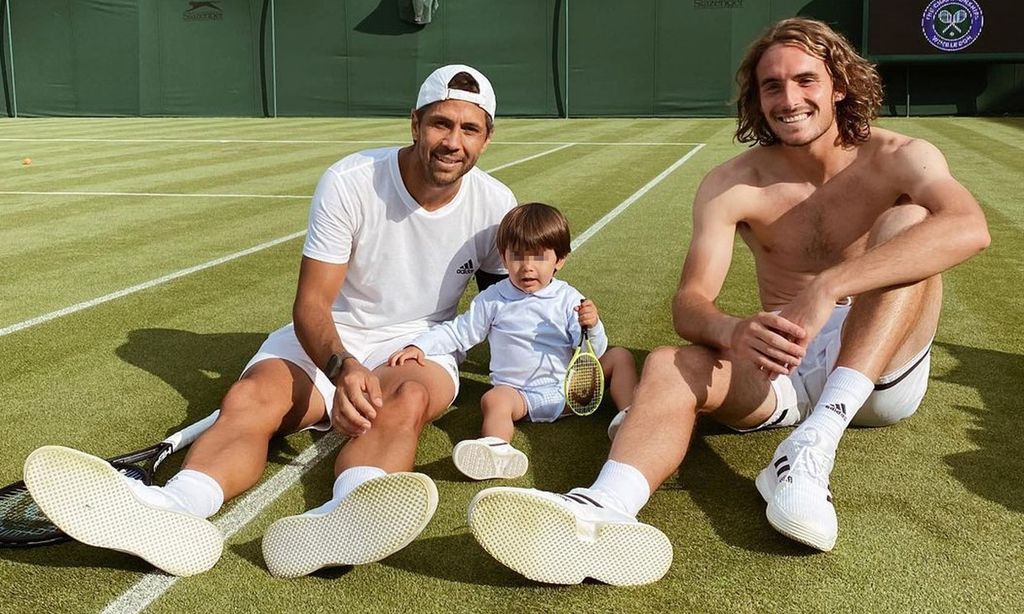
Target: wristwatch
334, 363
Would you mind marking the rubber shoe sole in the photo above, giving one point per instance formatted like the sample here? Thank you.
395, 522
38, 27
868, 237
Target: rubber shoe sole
798, 531
544, 542
479, 461
89, 500
378, 518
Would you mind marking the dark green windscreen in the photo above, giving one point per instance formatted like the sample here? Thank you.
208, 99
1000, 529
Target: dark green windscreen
357, 57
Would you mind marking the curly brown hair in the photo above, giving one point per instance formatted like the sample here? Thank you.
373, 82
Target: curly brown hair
851, 74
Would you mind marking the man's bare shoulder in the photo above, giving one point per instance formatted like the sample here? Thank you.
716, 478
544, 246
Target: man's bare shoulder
902, 157
733, 180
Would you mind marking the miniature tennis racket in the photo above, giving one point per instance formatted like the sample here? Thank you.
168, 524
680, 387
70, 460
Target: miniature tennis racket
584, 379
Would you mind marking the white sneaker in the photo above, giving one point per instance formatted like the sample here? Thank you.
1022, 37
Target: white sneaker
489, 457
613, 426
93, 503
562, 539
795, 486
378, 518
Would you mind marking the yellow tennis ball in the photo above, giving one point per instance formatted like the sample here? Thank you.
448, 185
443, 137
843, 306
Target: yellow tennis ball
26, 161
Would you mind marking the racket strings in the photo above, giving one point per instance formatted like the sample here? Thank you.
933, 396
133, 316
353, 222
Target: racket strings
584, 384
20, 517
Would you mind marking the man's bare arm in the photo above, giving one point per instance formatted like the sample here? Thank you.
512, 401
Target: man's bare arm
765, 338
359, 395
954, 230
319, 284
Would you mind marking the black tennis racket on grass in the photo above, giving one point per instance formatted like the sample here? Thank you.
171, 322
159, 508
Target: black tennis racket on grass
23, 524
584, 379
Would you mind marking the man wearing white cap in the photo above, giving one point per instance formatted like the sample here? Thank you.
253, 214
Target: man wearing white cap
394, 236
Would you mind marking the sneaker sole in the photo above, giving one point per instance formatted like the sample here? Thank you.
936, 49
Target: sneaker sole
478, 461
545, 543
377, 519
88, 500
798, 532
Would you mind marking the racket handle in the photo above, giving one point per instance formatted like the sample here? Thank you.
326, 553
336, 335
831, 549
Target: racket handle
192, 432
583, 328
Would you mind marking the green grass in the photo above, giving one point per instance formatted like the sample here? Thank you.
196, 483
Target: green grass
931, 510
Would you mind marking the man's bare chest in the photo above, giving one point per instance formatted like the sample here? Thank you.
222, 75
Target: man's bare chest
808, 228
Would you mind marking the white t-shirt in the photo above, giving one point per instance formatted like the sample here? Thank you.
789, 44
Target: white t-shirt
407, 267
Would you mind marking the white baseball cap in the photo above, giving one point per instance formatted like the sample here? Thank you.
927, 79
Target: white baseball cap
435, 88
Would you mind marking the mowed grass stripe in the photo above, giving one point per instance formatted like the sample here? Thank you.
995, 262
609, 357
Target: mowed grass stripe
1005, 133
191, 128
565, 179
75, 262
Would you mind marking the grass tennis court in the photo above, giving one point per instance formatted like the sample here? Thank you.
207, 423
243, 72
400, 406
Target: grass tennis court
143, 261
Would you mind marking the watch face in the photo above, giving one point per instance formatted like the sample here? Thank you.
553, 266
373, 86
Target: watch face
334, 366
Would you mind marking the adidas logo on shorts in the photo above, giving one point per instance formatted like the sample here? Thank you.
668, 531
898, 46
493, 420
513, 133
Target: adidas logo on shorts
466, 268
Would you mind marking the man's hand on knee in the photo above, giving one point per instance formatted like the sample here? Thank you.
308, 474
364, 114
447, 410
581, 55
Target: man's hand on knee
767, 340
356, 400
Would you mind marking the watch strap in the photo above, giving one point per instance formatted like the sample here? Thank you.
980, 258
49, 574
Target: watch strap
335, 362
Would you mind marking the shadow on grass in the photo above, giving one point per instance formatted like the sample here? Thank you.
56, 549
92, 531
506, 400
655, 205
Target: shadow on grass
730, 501
457, 558
994, 470
70, 555
199, 367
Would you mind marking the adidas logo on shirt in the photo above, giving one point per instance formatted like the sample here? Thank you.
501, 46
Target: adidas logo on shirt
466, 268
839, 408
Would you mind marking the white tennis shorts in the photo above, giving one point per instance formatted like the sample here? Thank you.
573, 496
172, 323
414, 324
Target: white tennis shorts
370, 347
545, 404
897, 395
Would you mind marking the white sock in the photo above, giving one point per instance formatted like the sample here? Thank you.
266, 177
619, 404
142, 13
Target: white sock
346, 483
623, 487
189, 491
196, 492
845, 392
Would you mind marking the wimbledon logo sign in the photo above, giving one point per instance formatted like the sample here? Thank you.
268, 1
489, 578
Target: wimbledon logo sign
952, 25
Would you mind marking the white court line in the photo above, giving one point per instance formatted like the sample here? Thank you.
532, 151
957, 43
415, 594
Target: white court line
321, 141
153, 194
614, 213
153, 585
53, 315
533, 157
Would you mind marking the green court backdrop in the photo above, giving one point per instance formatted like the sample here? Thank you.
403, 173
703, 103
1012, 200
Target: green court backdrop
547, 58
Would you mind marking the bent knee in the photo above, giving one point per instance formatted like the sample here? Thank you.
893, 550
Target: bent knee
894, 221
247, 396
674, 359
661, 358
251, 405
406, 407
616, 356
